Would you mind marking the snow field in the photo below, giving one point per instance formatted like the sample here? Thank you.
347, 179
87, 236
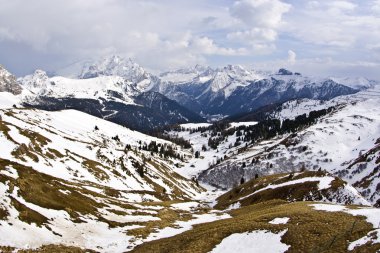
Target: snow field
252, 242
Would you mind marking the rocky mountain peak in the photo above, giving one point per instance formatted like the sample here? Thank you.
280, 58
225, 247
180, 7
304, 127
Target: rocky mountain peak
8, 82
114, 66
284, 72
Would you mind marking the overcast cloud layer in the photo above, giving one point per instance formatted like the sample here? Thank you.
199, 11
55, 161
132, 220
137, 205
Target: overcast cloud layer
340, 38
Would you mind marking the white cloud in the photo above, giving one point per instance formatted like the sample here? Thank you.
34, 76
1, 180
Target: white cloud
337, 24
337, 7
292, 57
325, 67
254, 35
376, 6
168, 34
262, 19
157, 34
260, 13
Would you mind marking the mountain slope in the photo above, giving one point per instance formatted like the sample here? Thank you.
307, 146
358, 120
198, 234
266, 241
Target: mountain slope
69, 178
280, 220
364, 173
303, 186
233, 89
339, 135
279, 226
97, 151
70, 181
114, 98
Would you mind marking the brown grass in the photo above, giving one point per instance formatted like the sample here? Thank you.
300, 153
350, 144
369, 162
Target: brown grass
43, 190
308, 230
3, 214
28, 215
57, 249
167, 219
308, 191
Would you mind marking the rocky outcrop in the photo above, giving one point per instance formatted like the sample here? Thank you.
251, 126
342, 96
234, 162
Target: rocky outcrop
8, 82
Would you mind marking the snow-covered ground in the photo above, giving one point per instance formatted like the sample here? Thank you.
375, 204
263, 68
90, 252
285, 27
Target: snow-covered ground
238, 124
182, 226
87, 162
39, 84
194, 125
332, 144
258, 241
199, 141
7, 100
278, 221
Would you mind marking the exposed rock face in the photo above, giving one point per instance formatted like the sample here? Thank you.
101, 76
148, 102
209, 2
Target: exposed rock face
8, 82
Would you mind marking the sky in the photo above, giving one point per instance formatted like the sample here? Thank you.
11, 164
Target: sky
320, 38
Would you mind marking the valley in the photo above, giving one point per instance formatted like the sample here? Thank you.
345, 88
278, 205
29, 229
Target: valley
302, 174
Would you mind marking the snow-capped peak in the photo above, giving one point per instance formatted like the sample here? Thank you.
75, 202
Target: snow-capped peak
232, 76
114, 66
4, 73
354, 82
121, 67
220, 81
8, 82
185, 75
39, 79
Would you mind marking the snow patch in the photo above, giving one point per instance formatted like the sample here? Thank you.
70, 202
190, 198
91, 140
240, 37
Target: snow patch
183, 226
187, 206
324, 183
252, 242
238, 124
278, 221
370, 237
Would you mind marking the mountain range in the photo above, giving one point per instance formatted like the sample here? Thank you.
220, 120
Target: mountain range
121, 91
292, 165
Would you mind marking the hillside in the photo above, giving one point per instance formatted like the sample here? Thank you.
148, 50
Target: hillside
339, 136
120, 95
301, 186
279, 226
282, 219
73, 182
70, 178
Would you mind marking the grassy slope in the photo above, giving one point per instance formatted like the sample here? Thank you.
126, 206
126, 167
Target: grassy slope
308, 230
29, 190
294, 192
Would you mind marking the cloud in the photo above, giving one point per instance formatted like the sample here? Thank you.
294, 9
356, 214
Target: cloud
337, 24
260, 13
169, 34
262, 19
149, 31
376, 6
325, 67
337, 7
292, 56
